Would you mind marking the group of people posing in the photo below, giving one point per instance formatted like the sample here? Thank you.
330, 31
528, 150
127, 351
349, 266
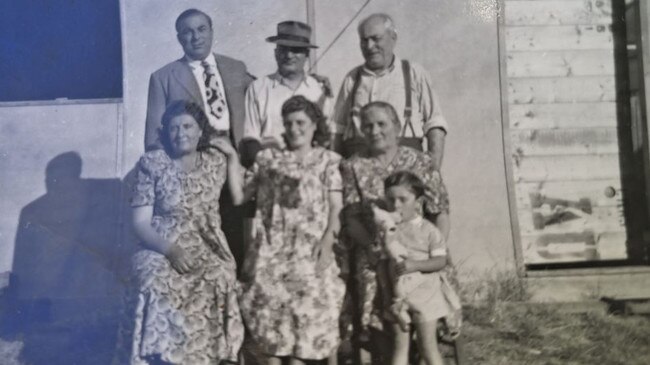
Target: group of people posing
267, 209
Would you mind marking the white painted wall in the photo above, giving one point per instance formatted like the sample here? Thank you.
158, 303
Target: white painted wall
456, 40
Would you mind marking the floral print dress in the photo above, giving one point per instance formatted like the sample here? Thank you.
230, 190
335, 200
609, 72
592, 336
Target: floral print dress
365, 174
289, 308
192, 318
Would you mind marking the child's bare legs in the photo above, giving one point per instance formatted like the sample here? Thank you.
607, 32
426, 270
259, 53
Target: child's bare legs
295, 361
333, 359
428, 343
273, 360
402, 340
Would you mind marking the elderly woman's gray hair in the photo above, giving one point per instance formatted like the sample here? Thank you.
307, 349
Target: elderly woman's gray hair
383, 106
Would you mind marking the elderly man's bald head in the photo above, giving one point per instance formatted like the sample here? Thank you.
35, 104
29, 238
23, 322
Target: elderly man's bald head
377, 38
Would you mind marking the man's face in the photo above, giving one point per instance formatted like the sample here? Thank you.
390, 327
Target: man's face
290, 59
195, 35
377, 44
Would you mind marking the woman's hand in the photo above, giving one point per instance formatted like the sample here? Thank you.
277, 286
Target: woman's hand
323, 252
406, 267
179, 260
224, 145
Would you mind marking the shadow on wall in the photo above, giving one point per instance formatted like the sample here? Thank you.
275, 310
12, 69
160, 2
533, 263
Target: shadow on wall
70, 267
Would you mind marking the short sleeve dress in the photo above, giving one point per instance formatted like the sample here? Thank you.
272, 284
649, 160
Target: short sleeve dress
192, 318
363, 182
289, 308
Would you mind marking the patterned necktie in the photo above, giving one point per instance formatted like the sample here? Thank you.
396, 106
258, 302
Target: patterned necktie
215, 100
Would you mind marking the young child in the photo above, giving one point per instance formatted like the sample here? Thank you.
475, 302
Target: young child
422, 293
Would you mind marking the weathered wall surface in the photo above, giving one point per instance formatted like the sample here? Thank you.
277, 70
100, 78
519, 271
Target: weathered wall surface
455, 40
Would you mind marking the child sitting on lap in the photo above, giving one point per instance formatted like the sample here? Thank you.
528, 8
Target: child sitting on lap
421, 291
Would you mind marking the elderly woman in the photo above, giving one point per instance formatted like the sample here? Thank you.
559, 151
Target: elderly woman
186, 310
291, 293
363, 176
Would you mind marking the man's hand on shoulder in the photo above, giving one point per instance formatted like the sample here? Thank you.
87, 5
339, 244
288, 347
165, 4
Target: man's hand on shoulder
325, 83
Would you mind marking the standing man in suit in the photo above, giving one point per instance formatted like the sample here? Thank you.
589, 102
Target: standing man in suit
217, 83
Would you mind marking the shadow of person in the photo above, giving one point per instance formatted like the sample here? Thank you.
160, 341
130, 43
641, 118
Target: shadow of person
69, 258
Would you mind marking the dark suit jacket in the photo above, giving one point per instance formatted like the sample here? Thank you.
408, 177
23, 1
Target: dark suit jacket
175, 81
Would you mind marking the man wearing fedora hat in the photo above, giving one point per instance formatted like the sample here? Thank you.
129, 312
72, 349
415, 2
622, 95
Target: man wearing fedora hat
264, 98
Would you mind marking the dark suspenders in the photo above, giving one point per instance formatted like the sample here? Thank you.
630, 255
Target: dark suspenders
414, 142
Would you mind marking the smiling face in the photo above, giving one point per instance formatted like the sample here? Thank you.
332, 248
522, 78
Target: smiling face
299, 130
377, 43
290, 60
195, 36
379, 129
184, 134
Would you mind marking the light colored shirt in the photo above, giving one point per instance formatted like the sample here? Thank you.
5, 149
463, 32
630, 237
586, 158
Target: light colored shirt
264, 99
222, 123
388, 86
421, 238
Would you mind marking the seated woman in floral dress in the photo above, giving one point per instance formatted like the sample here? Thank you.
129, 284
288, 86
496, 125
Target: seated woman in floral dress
363, 183
185, 307
291, 293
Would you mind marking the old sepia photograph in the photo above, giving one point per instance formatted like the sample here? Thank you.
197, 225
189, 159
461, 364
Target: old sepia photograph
331, 182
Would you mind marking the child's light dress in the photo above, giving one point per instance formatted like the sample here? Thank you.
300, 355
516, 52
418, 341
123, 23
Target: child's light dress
421, 297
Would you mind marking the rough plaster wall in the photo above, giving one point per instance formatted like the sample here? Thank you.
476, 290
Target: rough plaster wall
31, 136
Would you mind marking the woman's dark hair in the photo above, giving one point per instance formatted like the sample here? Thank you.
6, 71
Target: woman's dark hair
184, 107
299, 103
385, 107
408, 179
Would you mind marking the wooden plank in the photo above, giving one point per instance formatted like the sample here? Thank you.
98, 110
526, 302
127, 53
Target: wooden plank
560, 63
559, 37
594, 193
561, 90
505, 123
579, 115
558, 12
547, 221
562, 168
579, 246
541, 142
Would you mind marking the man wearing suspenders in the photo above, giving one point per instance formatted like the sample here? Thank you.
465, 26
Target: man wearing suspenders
385, 77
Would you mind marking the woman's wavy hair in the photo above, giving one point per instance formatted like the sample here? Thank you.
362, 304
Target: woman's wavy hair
299, 103
184, 107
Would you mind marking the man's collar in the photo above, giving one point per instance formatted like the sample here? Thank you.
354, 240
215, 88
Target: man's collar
391, 67
212, 61
277, 79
